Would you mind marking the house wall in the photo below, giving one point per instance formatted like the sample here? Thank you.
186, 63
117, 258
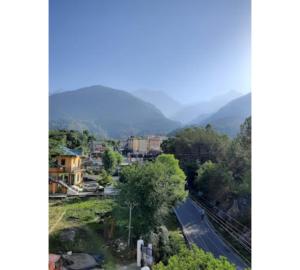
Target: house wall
154, 144
143, 146
71, 162
71, 173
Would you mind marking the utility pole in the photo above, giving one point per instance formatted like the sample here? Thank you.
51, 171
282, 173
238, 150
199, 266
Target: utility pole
131, 205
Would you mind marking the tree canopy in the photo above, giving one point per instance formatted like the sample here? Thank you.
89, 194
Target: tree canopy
195, 146
195, 258
154, 188
72, 139
215, 180
218, 167
111, 159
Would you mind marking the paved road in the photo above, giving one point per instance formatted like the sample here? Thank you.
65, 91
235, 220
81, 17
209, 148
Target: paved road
199, 231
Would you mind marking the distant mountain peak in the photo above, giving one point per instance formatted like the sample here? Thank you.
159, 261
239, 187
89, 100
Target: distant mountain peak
190, 113
229, 117
165, 103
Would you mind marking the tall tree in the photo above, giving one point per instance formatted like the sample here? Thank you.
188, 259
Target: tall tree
154, 187
214, 180
109, 160
239, 158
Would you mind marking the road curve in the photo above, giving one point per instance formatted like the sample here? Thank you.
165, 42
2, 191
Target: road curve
199, 231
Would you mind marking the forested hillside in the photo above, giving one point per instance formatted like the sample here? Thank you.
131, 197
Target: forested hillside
228, 118
106, 111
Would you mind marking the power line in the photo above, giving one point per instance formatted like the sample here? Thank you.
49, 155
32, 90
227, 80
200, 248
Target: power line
245, 259
246, 245
232, 218
229, 226
226, 227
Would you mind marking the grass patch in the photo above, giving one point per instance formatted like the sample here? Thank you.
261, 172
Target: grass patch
78, 212
81, 216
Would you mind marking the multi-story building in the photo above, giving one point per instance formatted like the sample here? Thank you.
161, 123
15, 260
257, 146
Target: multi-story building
150, 144
133, 144
155, 143
143, 146
67, 169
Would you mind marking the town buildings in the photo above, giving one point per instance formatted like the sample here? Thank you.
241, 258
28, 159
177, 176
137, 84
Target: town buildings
144, 145
67, 171
97, 148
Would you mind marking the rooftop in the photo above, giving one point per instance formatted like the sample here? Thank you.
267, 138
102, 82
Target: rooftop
65, 151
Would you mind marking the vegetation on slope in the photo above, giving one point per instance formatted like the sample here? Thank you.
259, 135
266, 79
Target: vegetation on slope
106, 111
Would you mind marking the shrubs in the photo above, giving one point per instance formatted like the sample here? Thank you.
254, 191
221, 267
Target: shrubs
104, 179
165, 243
194, 258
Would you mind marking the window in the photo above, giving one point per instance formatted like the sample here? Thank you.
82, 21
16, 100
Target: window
63, 162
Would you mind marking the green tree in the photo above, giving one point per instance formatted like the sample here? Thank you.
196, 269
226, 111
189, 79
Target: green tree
154, 188
214, 180
110, 160
195, 258
239, 159
72, 139
166, 244
174, 183
104, 178
194, 146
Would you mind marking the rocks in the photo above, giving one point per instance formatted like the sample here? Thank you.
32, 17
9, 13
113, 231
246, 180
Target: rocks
68, 235
120, 245
79, 261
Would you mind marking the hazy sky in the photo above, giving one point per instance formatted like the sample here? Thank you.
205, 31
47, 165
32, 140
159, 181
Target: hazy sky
191, 49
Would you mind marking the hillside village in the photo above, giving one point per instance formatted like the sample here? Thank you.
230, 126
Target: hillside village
96, 215
149, 135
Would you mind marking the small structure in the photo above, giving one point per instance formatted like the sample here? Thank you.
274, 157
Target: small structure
55, 262
144, 254
67, 169
97, 148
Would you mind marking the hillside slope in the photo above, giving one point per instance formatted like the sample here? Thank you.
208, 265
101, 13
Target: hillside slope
106, 111
229, 118
191, 114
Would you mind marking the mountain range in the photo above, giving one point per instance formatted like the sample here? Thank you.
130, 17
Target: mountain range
229, 117
116, 113
190, 114
108, 112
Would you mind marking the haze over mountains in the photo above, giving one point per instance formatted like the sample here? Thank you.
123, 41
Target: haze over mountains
108, 112
189, 114
166, 104
186, 114
229, 118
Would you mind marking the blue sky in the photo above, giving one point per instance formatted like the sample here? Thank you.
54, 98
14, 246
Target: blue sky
190, 49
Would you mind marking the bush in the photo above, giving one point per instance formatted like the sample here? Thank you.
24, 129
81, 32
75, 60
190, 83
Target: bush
195, 258
165, 243
104, 179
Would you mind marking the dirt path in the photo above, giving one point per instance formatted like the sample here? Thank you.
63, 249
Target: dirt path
57, 221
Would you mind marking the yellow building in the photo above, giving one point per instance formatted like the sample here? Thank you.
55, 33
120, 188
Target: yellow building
67, 169
150, 144
133, 144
